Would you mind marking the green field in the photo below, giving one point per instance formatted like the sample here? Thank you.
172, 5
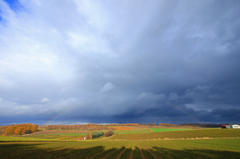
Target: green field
130, 144
218, 148
70, 136
163, 129
51, 137
212, 133
135, 131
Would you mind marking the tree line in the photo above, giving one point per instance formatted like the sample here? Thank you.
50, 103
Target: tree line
89, 127
151, 124
78, 127
127, 124
98, 134
204, 125
20, 129
166, 124
2, 129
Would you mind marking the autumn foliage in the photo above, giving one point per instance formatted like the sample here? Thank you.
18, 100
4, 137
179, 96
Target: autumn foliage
21, 129
151, 124
89, 127
127, 124
109, 133
89, 136
2, 129
166, 124
122, 128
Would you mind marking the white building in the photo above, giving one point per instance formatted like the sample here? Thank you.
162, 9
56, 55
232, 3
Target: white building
235, 126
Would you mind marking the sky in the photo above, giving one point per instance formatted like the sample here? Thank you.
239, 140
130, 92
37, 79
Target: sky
119, 61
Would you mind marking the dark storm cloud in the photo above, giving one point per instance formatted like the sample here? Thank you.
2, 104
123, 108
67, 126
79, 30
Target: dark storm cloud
120, 61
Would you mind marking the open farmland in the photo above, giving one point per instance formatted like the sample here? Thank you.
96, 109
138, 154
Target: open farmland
132, 144
58, 136
218, 148
164, 129
211, 133
135, 131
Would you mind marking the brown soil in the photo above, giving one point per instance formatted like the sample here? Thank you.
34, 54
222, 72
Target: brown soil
82, 138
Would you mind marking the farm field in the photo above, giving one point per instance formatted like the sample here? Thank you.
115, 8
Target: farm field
211, 133
217, 148
135, 131
164, 129
136, 143
61, 136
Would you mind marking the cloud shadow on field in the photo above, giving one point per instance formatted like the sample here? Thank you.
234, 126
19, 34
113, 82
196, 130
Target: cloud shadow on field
40, 150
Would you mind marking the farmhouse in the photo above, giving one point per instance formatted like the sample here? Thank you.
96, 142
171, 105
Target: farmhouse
226, 126
235, 126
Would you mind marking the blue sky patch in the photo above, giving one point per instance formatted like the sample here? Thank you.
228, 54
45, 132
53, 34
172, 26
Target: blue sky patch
13, 4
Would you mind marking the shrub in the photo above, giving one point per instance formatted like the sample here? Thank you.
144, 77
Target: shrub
95, 135
109, 133
89, 136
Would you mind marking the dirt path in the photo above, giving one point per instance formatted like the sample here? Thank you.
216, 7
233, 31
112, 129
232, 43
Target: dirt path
106, 138
150, 130
82, 138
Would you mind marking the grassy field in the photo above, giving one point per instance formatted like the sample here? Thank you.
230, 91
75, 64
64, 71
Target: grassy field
130, 144
212, 133
135, 131
218, 148
62, 136
163, 129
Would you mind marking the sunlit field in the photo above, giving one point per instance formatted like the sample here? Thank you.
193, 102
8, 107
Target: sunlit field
137, 143
218, 148
209, 133
163, 129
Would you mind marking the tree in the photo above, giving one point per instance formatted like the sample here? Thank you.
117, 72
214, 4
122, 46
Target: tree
34, 128
89, 136
18, 130
109, 133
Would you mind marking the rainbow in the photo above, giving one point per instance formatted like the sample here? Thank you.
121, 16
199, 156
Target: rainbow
183, 111
54, 118
172, 105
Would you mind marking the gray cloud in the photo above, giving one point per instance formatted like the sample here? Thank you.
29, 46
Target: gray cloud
117, 61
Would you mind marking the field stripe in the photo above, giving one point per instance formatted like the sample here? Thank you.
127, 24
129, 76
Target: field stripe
162, 152
109, 149
119, 155
94, 155
109, 154
159, 153
127, 152
131, 156
153, 154
141, 151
